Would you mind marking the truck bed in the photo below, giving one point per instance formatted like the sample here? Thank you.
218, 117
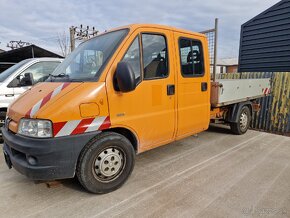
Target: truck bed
231, 91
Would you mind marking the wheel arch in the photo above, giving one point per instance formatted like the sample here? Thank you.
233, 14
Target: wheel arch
126, 133
236, 109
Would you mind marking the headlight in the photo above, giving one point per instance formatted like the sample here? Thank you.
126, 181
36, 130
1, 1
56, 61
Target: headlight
35, 128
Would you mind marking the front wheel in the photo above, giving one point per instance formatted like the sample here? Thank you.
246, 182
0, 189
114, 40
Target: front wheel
105, 163
244, 118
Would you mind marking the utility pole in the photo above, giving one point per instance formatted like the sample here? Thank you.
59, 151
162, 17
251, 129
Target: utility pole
72, 38
17, 44
80, 33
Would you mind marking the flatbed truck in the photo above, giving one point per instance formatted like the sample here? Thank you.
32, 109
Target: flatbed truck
121, 93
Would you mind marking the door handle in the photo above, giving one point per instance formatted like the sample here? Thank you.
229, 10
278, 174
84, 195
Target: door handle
204, 86
9, 95
170, 89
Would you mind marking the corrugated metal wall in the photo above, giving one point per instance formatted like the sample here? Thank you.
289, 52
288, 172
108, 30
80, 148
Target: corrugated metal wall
265, 41
274, 115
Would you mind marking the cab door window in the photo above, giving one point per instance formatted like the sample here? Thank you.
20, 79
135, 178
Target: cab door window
132, 56
155, 56
191, 58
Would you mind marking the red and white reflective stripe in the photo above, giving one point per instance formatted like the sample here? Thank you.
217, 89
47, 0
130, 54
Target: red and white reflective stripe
46, 99
266, 91
75, 127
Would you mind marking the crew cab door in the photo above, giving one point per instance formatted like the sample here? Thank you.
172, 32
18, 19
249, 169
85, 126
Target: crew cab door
148, 111
193, 79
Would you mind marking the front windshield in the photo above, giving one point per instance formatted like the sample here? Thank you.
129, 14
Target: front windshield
89, 59
5, 74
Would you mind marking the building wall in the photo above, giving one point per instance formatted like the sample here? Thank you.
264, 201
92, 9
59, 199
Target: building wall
232, 69
265, 41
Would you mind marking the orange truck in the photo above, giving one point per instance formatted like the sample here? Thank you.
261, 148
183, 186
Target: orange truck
118, 94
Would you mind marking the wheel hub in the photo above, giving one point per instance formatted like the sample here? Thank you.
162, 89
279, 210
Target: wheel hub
243, 120
109, 163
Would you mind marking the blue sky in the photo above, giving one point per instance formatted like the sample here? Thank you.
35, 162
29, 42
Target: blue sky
40, 21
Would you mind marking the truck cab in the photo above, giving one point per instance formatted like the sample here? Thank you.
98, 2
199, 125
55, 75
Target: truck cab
118, 94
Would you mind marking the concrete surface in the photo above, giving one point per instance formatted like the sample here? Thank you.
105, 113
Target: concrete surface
213, 175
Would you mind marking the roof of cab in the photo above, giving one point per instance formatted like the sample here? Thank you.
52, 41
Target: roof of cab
133, 27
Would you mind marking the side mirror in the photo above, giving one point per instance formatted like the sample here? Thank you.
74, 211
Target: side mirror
124, 78
27, 80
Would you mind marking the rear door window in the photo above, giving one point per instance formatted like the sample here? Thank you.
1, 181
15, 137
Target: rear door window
191, 58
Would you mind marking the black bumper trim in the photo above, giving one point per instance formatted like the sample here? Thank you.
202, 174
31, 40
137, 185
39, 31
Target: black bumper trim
56, 158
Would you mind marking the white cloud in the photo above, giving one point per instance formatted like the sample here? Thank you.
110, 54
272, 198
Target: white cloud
40, 21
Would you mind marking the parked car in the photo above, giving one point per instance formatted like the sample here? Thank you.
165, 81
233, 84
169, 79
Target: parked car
20, 77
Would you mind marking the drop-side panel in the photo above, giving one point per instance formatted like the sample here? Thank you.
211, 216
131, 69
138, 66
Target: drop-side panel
225, 92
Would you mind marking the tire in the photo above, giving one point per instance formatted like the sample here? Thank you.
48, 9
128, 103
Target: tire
244, 119
105, 163
2, 120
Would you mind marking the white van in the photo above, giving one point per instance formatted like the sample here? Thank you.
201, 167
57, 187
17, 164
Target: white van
20, 77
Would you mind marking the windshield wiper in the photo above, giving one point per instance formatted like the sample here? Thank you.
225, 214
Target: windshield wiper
61, 75
58, 75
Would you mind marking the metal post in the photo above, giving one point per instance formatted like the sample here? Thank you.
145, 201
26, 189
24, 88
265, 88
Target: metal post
215, 49
72, 38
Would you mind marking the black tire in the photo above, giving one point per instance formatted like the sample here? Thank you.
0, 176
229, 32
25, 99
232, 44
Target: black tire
2, 120
90, 169
244, 119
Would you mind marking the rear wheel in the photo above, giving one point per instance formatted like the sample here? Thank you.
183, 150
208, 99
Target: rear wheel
2, 121
244, 118
105, 163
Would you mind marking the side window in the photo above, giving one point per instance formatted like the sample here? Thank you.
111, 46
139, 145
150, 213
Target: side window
191, 55
132, 56
185, 55
155, 56
40, 71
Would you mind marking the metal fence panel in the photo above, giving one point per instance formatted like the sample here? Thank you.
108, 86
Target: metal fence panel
212, 38
275, 109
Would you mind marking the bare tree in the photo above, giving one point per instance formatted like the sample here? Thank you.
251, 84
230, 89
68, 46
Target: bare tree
63, 42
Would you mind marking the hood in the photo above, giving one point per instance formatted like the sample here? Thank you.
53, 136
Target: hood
38, 97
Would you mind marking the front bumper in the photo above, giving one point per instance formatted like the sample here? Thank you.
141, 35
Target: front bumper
44, 159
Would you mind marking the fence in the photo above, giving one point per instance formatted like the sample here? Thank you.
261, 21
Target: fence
212, 38
274, 115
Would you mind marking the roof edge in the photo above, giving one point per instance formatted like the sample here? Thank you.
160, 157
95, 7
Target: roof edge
264, 12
